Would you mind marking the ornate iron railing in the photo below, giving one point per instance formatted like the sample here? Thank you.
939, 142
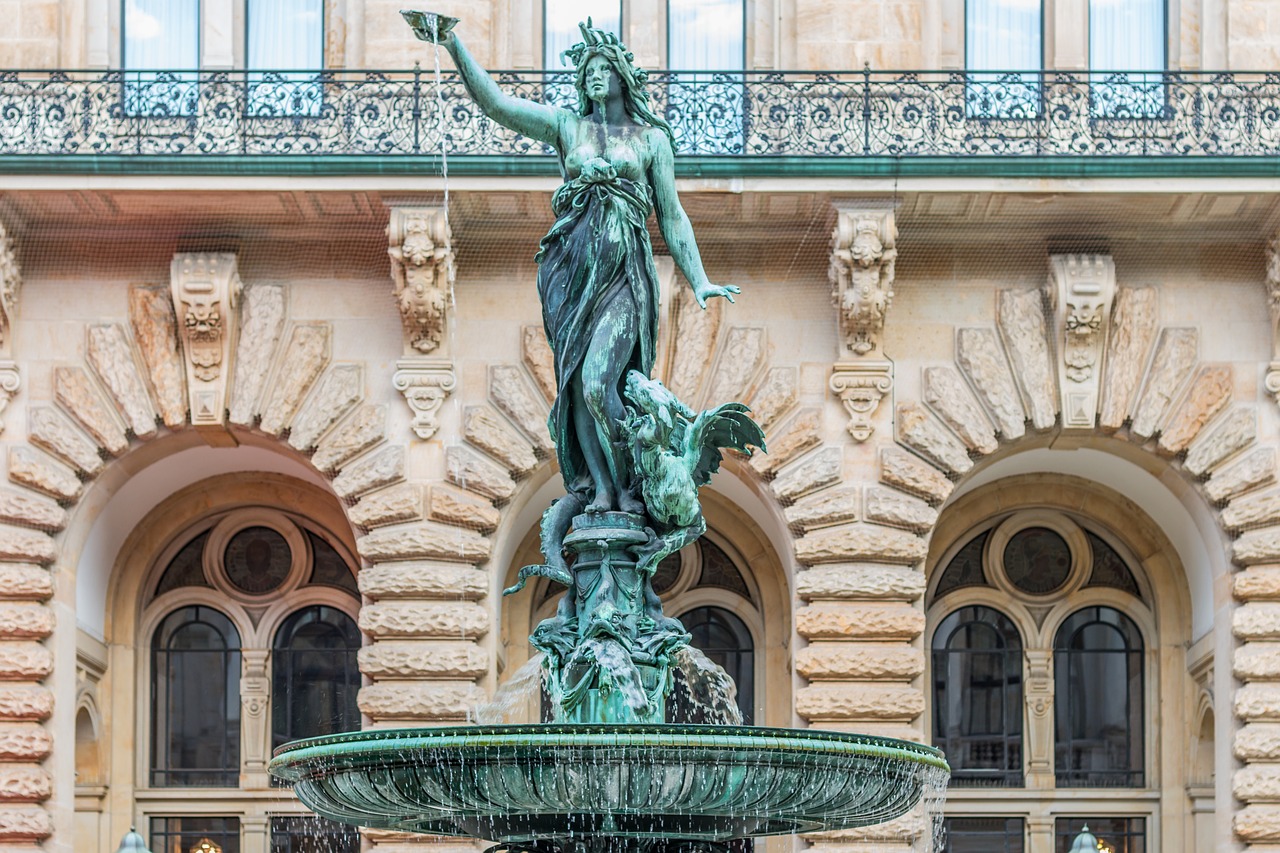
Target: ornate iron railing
785, 114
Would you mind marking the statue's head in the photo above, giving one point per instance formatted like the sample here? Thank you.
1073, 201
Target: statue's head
632, 79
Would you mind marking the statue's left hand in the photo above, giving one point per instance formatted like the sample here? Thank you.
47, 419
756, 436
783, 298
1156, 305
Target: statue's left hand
702, 294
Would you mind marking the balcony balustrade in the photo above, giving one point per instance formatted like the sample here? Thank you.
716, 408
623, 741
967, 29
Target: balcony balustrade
862, 114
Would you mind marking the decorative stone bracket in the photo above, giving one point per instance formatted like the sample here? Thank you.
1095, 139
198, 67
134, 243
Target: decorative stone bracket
862, 272
1273, 299
861, 385
425, 383
420, 246
1081, 288
206, 290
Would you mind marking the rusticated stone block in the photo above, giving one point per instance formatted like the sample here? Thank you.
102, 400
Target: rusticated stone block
423, 659
402, 502
79, 396
860, 621
800, 434
339, 392
26, 546
1258, 701
537, 356
1257, 582
371, 472
892, 507
109, 352
486, 429
23, 660
423, 541
25, 702
1232, 433
25, 582
834, 701
19, 506
1210, 392
774, 397
1258, 742
829, 506
469, 470
304, 357
1021, 322
453, 506
1259, 546
860, 580
353, 436
979, 355
916, 428
24, 742
1257, 823
1255, 510
445, 620
1257, 662
24, 823
947, 394
1257, 783
25, 783
423, 580
55, 432
29, 467
864, 661
912, 474
1256, 621
860, 542
1257, 468
25, 621
1175, 358
510, 393
813, 472
427, 701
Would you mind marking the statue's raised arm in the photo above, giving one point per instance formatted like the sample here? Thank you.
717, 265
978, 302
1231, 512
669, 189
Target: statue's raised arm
528, 118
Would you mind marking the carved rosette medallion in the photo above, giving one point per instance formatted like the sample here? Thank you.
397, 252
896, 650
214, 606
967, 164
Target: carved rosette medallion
1081, 288
863, 252
206, 290
861, 385
425, 383
419, 245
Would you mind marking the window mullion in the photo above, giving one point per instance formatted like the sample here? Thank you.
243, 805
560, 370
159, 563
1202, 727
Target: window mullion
255, 733
1039, 720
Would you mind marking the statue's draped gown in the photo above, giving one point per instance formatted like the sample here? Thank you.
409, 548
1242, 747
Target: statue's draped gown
597, 251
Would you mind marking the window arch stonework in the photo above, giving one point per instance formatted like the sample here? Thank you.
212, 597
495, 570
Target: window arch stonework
1160, 614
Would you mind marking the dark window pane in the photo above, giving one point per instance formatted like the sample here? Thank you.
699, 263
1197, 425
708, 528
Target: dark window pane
329, 569
1098, 704
185, 568
1037, 560
983, 835
718, 569
195, 700
725, 639
195, 834
314, 675
257, 560
977, 697
965, 568
1117, 834
1109, 569
312, 834
667, 573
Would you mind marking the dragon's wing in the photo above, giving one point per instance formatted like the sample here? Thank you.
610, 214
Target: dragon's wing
727, 425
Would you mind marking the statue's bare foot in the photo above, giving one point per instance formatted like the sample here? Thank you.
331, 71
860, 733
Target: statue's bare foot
603, 502
628, 502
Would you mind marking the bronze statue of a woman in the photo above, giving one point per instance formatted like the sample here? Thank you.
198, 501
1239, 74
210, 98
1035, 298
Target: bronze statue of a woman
632, 456
596, 277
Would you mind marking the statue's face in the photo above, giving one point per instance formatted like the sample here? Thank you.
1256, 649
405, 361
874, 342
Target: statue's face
600, 80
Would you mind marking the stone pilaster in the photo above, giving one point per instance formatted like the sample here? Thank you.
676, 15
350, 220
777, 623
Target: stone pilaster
419, 244
1273, 300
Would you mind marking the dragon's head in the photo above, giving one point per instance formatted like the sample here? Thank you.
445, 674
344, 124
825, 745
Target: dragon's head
653, 398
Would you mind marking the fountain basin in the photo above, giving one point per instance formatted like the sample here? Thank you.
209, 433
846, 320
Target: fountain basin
530, 784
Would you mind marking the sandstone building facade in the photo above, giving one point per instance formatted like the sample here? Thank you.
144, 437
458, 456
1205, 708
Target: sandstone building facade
275, 396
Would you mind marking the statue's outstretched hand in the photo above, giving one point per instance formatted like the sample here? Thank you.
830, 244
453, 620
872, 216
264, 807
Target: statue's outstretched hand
702, 294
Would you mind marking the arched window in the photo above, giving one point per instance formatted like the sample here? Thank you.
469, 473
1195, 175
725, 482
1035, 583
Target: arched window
1098, 714
195, 700
314, 675
977, 697
725, 639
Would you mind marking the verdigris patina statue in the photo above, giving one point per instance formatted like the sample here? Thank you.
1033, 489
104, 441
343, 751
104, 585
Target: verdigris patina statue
632, 455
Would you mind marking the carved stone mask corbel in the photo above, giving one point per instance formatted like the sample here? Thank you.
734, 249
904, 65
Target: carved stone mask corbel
863, 253
419, 244
1081, 289
206, 291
